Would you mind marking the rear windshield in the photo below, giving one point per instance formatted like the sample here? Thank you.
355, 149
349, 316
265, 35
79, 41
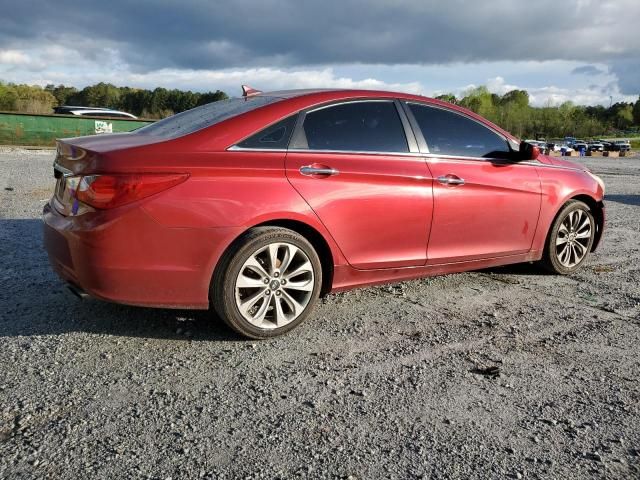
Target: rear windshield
204, 116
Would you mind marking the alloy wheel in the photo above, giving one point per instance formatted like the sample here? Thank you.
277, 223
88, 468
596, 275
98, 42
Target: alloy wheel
275, 285
573, 238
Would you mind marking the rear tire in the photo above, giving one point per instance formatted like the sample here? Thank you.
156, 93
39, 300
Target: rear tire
267, 282
570, 239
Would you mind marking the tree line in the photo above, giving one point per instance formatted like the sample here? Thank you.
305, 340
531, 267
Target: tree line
157, 103
511, 111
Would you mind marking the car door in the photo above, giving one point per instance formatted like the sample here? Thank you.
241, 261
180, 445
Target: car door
357, 165
485, 203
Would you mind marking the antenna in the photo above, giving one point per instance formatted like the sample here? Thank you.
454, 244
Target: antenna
248, 91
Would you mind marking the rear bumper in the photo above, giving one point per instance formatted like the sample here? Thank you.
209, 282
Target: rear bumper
127, 257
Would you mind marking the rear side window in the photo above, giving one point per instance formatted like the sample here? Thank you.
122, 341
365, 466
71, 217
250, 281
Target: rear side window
372, 126
275, 137
205, 116
449, 133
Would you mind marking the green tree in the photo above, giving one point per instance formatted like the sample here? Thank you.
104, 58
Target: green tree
61, 93
636, 112
448, 97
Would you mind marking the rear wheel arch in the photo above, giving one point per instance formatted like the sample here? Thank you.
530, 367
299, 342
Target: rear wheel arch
319, 244
312, 235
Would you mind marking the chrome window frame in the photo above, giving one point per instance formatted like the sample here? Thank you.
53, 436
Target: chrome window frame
298, 141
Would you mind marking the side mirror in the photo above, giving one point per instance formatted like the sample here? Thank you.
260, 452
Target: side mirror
528, 151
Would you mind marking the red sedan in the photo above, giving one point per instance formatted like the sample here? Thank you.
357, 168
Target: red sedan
257, 205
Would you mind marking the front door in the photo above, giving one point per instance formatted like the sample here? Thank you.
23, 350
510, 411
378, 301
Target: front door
485, 204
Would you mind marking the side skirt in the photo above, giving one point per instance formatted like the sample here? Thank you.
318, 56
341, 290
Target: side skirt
346, 277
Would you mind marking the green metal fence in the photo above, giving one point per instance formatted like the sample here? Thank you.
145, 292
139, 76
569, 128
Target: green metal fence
42, 130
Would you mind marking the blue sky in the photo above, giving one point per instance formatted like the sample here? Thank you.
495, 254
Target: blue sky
579, 50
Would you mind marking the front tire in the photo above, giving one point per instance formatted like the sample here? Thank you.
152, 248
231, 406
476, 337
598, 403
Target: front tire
570, 239
267, 282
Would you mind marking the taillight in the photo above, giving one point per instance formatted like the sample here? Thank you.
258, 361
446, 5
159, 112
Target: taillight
109, 191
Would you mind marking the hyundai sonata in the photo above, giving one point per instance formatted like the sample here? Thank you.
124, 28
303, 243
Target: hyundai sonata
256, 206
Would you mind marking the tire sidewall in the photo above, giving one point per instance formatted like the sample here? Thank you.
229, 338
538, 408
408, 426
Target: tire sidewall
225, 295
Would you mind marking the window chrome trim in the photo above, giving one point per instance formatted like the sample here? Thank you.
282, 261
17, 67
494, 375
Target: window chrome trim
436, 156
236, 148
530, 163
358, 152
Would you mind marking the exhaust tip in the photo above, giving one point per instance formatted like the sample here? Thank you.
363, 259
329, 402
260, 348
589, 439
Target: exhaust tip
78, 292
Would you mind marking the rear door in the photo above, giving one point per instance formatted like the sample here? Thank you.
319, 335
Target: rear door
357, 165
485, 204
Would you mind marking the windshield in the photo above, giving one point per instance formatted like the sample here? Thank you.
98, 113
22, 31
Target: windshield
204, 116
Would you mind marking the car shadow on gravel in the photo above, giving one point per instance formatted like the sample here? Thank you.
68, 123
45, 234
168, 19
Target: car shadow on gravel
34, 301
517, 269
624, 199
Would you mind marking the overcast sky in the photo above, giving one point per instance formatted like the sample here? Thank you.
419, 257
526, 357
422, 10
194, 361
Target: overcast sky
580, 50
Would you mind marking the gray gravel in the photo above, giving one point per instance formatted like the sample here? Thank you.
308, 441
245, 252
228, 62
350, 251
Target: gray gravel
505, 373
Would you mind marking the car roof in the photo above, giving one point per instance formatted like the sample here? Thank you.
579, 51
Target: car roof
317, 96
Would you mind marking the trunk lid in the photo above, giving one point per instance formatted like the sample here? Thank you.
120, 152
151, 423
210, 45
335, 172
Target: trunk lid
86, 155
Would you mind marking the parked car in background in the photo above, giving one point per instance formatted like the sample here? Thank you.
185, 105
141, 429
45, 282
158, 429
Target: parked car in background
553, 147
622, 145
536, 143
91, 112
255, 206
580, 146
565, 147
595, 147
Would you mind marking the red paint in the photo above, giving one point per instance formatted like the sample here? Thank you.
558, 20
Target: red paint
383, 217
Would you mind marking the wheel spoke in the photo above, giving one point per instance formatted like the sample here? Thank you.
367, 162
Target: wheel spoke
273, 257
561, 240
293, 304
579, 250
585, 224
305, 286
280, 317
573, 258
258, 318
253, 264
576, 219
290, 253
248, 303
564, 254
304, 268
585, 234
249, 282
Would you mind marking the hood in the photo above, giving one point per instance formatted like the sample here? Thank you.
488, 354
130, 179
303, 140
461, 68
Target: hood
561, 162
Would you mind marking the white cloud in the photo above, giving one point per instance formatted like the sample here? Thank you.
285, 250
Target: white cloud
554, 81
13, 57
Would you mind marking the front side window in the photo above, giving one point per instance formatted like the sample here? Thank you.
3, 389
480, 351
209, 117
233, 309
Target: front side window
371, 126
450, 133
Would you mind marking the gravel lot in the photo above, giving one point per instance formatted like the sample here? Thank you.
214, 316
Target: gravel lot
505, 373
